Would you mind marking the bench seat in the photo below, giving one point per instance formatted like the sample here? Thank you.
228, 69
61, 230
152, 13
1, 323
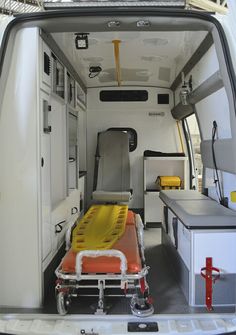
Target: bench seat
197, 211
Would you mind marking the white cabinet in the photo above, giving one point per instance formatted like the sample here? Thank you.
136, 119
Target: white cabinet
152, 168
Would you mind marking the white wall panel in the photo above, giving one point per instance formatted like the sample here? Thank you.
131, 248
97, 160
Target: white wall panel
219, 245
19, 178
215, 107
204, 69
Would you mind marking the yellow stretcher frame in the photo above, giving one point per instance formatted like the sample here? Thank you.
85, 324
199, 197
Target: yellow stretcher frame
100, 227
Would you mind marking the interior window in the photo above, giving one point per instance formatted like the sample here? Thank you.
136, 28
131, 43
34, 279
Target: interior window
123, 95
195, 141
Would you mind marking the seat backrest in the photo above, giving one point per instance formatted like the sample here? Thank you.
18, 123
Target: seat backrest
114, 164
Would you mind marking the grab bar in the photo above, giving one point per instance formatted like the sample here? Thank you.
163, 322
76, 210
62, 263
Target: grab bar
99, 253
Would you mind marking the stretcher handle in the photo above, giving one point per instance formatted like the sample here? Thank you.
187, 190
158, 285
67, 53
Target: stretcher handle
100, 253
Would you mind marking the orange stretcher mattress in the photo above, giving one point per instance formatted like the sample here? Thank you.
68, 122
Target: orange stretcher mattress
128, 244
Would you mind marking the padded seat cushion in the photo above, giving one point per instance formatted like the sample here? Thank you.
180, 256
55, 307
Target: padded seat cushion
172, 195
106, 196
203, 214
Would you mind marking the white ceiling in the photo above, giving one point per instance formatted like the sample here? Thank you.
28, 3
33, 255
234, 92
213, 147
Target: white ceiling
146, 58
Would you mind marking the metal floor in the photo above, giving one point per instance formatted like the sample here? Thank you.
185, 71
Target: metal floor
167, 295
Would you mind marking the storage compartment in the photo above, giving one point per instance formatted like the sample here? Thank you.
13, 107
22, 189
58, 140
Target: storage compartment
199, 232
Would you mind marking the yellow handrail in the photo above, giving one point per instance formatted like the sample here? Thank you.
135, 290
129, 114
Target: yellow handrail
209, 6
180, 137
117, 60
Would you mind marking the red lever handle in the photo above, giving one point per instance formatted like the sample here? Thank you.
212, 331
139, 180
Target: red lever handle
210, 278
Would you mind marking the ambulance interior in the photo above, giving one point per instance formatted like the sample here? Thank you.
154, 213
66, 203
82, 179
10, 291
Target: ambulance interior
164, 85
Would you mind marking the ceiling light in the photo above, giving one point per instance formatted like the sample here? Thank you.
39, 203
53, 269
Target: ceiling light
94, 71
143, 23
81, 41
113, 24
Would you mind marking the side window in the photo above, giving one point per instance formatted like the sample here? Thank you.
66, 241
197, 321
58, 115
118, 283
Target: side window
133, 137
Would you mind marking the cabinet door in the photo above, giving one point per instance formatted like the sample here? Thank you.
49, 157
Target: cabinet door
59, 224
58, 152
184, 244
153, 207
45, 177
70, 90
171, 217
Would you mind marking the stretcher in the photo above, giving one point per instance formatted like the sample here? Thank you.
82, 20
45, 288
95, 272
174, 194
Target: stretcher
105, 266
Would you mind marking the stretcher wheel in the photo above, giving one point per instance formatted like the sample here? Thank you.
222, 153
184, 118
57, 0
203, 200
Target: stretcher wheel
63, 303
141, 307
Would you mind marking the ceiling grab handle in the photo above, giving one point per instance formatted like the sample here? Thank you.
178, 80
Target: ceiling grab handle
117, 60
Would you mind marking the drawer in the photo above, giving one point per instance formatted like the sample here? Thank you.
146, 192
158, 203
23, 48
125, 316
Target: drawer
73, 204
59, 224
184, 244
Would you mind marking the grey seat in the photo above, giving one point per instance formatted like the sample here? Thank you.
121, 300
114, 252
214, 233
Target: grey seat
113, 170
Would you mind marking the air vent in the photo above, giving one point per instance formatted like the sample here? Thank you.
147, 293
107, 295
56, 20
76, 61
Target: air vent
46, 63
